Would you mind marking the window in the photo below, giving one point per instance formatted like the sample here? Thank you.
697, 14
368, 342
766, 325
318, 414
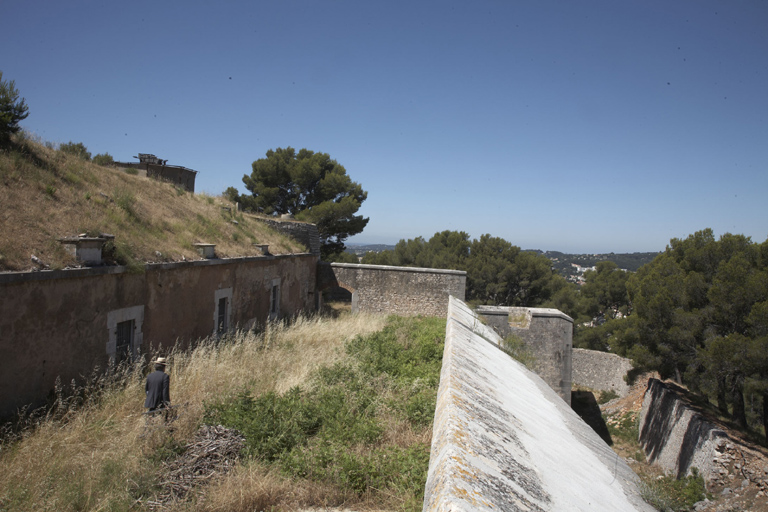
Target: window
124, 341
222, 314
221, 323
124, 333
274, 300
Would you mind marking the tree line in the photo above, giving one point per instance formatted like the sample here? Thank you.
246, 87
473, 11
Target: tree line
697, 313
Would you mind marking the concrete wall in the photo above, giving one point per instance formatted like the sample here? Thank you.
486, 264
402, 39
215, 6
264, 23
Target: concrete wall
547, 333
600, 370
62, 323
675, 436
503, 439
398, 290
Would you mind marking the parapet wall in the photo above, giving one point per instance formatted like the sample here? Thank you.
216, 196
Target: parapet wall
303, 232
398, 290
546, 332
64, 323
504, 440
600, 370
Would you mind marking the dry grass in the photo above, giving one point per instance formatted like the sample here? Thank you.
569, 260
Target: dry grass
47, 195
106, 456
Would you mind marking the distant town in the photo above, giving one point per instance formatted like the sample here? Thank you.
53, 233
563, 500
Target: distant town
570, 266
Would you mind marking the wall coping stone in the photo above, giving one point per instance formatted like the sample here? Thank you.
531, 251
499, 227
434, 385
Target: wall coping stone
401, 269
505, 310
69, 273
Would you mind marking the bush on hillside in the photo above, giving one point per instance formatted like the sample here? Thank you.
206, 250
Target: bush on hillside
77, 149
103, 159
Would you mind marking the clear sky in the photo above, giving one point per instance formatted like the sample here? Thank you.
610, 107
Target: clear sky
576, 126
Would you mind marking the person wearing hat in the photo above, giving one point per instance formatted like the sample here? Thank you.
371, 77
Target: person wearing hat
158, 387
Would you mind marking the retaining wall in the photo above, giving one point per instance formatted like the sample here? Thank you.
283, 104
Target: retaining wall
547, 333
504, 440
675, 436
600, 370
64, 323
398, 290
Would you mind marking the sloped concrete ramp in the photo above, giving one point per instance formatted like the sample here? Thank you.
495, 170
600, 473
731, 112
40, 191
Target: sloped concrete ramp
503, 440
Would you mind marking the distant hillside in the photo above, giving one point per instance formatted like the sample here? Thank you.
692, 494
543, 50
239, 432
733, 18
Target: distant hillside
361, 249
560, 261
626, 261
47, 194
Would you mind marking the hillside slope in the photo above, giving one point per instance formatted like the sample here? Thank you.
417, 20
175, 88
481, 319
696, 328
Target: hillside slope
46, 195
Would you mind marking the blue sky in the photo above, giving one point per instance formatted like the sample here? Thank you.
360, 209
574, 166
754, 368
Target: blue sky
590, 126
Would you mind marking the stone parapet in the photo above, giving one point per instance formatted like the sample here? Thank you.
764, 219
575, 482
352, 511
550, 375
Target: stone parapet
601, 371
546, 332
398, 290
503, 440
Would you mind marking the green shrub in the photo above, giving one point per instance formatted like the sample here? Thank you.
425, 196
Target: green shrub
669, 494
77, 149
103, 159
332, 431
607, 396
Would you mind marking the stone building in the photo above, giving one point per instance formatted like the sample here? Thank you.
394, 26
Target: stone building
157, 168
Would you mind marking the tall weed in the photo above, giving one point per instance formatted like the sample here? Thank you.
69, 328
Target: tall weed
341, 428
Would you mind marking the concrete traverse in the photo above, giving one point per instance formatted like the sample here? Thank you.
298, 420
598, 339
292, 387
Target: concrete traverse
504, 440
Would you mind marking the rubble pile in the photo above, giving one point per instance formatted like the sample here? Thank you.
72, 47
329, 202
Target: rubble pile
213, 452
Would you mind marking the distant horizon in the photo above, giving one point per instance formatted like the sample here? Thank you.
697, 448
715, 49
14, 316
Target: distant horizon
356, 243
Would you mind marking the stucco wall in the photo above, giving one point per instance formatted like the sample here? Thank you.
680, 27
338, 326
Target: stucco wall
547, 333
58, 323
400, 290
503, 440
600, 370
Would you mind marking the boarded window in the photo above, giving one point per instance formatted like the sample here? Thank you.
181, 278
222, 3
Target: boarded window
124, 341
221, 322
274, 301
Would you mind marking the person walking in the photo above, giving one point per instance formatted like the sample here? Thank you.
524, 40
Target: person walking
158, 387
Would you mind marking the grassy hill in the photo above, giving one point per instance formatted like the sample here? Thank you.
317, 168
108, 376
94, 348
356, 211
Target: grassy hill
46, 194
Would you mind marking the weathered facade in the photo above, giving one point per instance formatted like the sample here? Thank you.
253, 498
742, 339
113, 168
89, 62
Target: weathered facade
396, 290
547, 333
65, 323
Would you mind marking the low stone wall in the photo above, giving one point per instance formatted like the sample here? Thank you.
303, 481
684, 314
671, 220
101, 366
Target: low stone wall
675, 436
398, 290
546, 332
600, 370
303, 232
503, 439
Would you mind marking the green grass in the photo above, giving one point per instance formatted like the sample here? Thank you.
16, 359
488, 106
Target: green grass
668, 494
333, 429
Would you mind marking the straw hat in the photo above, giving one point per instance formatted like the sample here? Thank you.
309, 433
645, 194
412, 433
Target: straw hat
161, 360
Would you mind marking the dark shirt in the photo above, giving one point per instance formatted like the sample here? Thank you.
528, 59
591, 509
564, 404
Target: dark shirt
158, 390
